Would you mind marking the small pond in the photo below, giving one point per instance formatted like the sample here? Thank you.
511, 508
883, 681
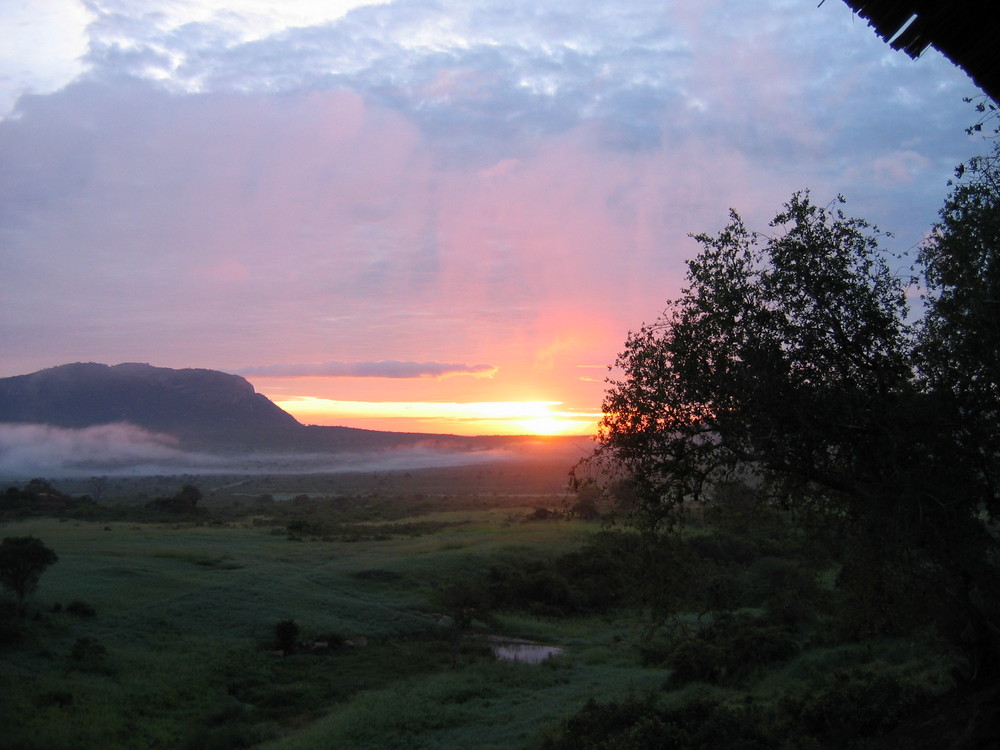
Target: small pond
523, 651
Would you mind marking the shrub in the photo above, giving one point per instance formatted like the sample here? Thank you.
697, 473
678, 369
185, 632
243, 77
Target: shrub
80, 609
23, 559
87, 648
697, 660
58, 698
542, 514
286, 635
585, 510
185, 501
641, 724
731, 649
90, 655
851, 704
725, 547
10, 631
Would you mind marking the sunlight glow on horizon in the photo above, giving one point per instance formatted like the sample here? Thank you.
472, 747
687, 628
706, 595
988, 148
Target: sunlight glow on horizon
472, 418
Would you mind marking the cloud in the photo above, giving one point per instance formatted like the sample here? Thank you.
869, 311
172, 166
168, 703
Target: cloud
496, 181
382, 369
43, 46
475, 77
481, 76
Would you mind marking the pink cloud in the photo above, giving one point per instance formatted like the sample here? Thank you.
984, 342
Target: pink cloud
321, 228
381, 369
899, 167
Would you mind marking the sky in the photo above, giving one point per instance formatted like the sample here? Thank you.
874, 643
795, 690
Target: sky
422, 215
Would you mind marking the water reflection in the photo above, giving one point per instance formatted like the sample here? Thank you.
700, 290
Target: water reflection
523, 651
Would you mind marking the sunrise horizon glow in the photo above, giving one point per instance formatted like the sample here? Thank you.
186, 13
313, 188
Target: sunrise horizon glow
539, 418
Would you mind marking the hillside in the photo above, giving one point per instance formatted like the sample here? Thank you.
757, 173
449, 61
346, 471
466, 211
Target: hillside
201, 408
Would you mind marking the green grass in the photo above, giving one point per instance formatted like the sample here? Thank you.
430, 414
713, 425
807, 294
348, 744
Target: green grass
484, 705
185, 617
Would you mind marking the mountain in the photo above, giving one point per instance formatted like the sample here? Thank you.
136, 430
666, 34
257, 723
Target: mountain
199, 407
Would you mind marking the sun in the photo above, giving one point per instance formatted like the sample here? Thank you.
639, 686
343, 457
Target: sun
535, 418
547, 425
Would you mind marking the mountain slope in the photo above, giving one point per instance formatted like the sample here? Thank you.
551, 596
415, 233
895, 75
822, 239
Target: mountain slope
199, 407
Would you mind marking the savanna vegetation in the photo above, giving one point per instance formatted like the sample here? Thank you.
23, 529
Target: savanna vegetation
785, 538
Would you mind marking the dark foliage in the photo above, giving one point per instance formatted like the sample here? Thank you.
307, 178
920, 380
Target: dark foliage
731, 649
850, 704
642, 724
80, 608
87, 648
184, 502
789, 365
23, 559
90, 655
850, 709
40, 498
286, 635
604, 573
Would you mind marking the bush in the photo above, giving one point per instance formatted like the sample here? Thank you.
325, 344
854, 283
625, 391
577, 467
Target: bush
725, 547
87, 648
730, 650
23, 559
851, 704
697, 660
80, 609
10, 631
286, 635
585, 510
57, 698
641, 724
185, 501
542, 514
611, 569
90, 655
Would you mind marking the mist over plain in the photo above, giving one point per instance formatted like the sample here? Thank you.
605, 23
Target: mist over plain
122, 449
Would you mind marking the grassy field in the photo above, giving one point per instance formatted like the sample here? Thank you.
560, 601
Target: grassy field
161, 633
179, 650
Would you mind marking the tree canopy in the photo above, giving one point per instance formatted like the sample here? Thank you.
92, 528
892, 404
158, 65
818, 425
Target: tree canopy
791, 364
776, 361
23, 559
959, 352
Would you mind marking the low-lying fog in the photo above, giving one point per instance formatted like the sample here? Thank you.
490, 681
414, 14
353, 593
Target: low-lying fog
33, 450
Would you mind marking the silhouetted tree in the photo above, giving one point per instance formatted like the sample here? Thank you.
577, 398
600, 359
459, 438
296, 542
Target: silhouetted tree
788, 362
23, 559
286, 634
960, 336
776, 361
188, 497
185, 501
959, 359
